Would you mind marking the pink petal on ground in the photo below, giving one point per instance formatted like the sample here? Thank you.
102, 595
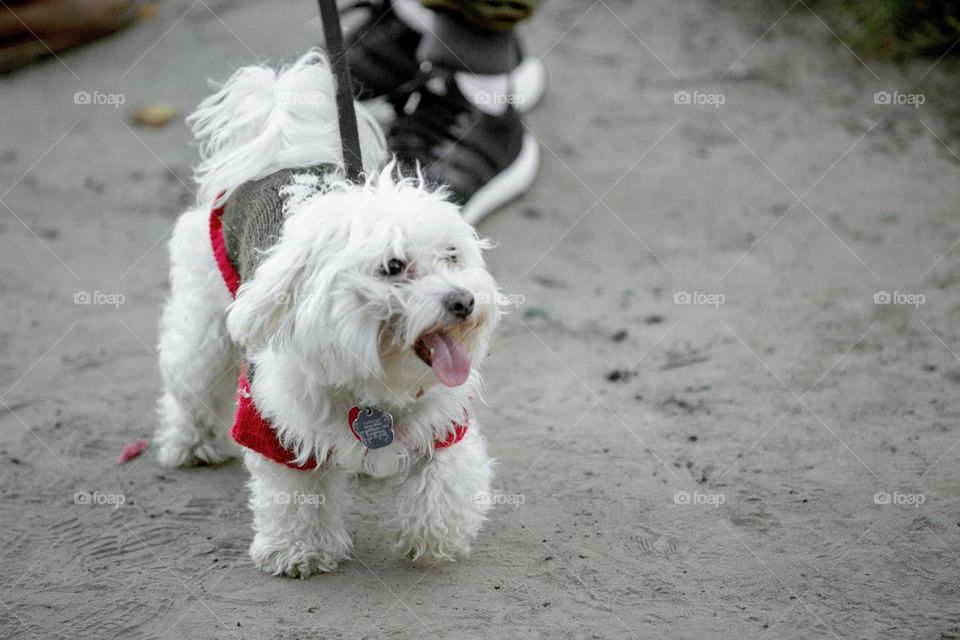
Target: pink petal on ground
132, 450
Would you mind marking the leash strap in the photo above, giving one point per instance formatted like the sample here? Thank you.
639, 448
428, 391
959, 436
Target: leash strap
349, 135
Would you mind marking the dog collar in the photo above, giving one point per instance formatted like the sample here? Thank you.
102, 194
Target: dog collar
252, 431
374, 428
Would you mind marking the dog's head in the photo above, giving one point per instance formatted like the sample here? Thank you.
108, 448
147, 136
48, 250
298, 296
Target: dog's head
382, 286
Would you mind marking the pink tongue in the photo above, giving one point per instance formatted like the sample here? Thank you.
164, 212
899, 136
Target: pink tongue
449, 359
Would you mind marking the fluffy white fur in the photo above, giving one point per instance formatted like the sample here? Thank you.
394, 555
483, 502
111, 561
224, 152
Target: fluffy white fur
325, 330
262, 120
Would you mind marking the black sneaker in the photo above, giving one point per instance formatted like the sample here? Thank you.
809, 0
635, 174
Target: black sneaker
381, 52
485, 160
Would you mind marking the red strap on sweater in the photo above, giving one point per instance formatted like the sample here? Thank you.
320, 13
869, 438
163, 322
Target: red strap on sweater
453, 437
252, 431
230, 276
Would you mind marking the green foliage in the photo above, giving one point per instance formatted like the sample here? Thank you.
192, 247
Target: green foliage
899, 28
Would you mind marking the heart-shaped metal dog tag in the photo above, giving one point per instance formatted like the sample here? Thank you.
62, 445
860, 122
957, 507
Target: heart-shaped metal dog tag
371, 426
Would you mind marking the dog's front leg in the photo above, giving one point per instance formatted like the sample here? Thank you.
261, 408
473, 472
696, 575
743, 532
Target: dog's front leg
297, 518
442, 504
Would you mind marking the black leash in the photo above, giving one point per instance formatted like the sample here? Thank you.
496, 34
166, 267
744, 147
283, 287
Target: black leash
349, 135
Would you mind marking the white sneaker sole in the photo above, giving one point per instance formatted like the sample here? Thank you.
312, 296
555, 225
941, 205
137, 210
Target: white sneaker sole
529, 81
509, 184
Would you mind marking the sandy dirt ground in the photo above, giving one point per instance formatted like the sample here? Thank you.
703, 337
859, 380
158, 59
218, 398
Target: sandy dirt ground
777, 458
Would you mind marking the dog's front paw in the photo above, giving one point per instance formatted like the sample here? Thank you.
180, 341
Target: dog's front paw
431, 543
182, 452
294, 559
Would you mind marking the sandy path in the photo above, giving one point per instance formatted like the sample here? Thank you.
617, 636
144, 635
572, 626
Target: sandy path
782, 411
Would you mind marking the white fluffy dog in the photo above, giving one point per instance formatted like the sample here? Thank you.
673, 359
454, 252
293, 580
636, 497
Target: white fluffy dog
372, 303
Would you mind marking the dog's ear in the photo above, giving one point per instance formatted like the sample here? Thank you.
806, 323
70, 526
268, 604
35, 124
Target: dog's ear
290, 277
261, 304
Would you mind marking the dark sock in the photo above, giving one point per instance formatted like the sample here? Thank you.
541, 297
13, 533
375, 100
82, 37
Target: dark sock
458, 45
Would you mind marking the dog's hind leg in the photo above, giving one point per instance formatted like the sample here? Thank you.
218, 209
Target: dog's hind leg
198, 361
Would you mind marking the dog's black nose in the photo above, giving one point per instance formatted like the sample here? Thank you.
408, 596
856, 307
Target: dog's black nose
459, 302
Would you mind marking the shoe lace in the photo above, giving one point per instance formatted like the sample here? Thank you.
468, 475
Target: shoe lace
428, 115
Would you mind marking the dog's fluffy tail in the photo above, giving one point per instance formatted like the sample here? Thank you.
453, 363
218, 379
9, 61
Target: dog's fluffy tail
263, 120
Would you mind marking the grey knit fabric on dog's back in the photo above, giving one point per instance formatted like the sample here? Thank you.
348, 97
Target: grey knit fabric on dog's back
253, 217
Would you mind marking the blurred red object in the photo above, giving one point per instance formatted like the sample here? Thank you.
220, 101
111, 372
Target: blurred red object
132, 450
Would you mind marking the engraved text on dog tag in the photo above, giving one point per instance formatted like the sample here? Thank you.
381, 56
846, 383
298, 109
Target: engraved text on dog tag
371, 426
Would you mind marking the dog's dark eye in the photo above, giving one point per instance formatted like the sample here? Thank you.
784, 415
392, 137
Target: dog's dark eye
452, 255
394, 268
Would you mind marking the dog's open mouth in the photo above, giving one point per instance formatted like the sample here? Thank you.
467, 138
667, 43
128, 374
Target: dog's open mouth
446, 355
